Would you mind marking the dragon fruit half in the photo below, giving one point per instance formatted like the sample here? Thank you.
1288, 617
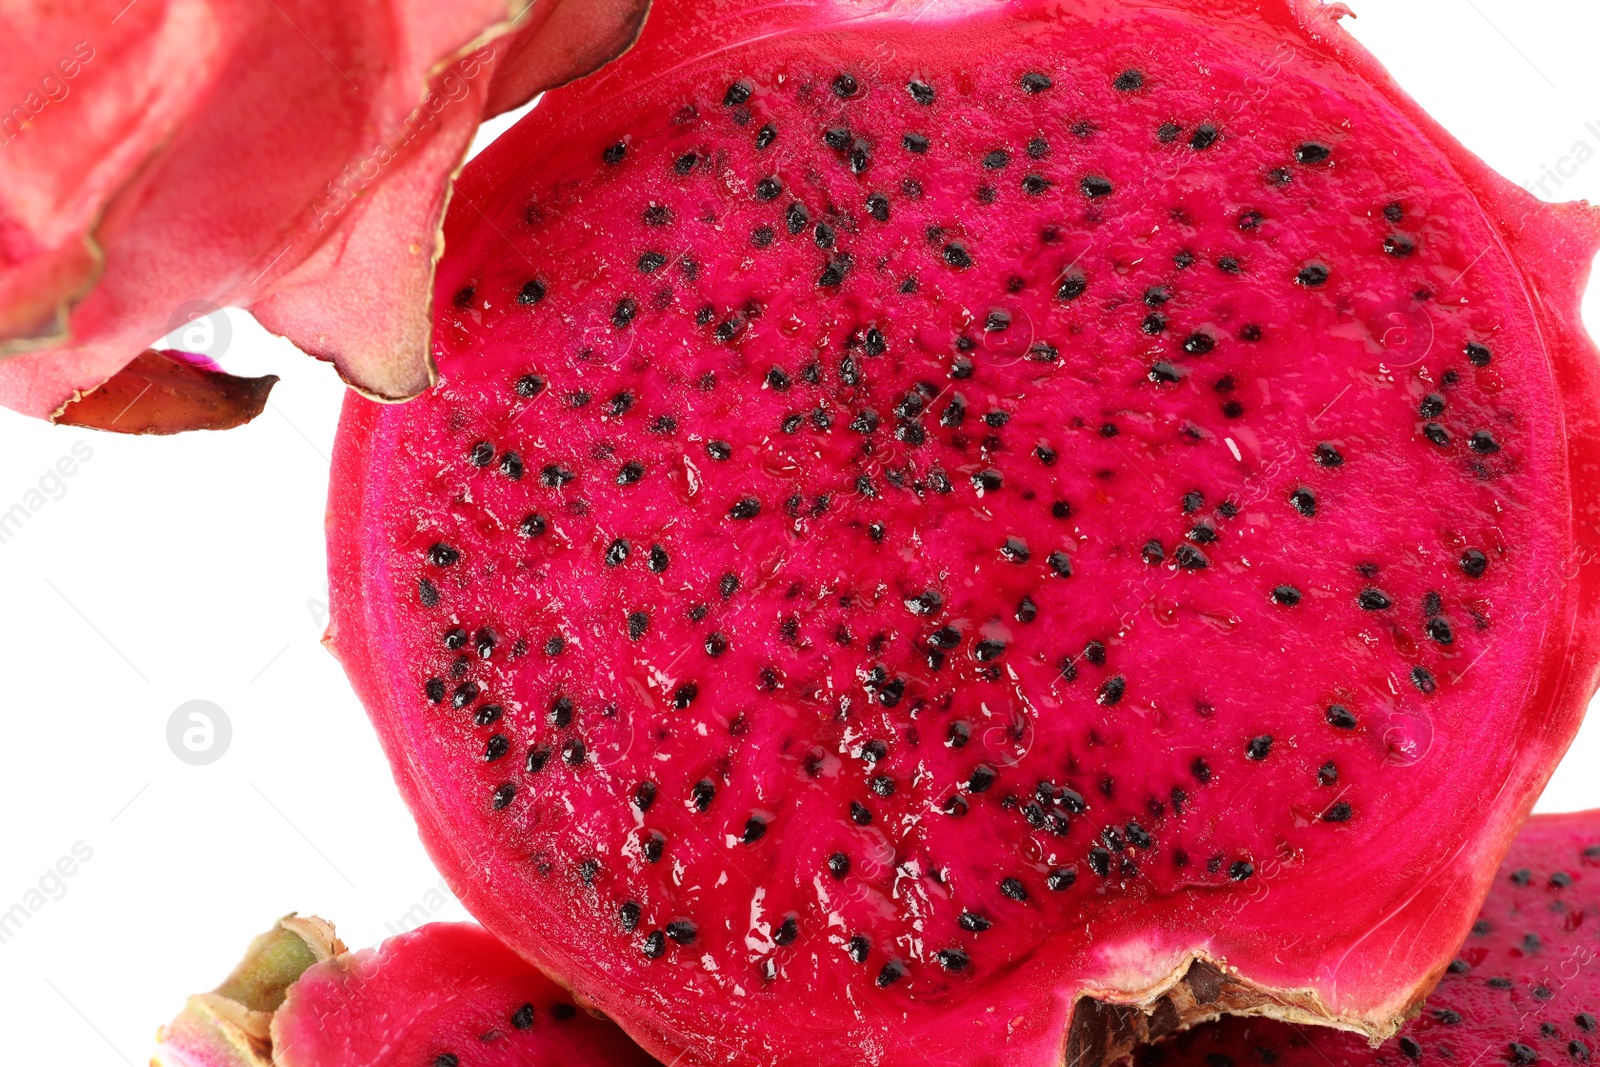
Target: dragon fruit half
959, 533
444, 995
1524, 989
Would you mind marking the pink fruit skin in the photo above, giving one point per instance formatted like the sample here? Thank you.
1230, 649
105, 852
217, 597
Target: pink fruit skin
1527, 976
1344, 920
289, 157
442, 989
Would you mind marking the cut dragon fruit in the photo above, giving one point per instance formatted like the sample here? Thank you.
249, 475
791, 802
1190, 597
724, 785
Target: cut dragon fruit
1523, 990
979, 533
444, 995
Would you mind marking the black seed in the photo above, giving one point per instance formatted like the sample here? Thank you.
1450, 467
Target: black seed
1034, 184
1287, 595
1013, 889
617, 552
1372, 599
573, 753
982, 778
1304, 501
1409, 1048
1014, 549
990, 480
1478, 355
555, 475
787, 932
1474, 563
522, 1018
754, 830
1312, 275
1060, 564
1190, 558
1328, 456
914, 142
1128, 81
560, 714
860, 157
956, 256
839, 864
1423, 679
1483, 443
768, 188
1521, 1055
1095, 187
845, 86
744, 508
682, 931
1437, 434
1168, 132
1199, 343
766, 135
1034, 82
738, 93
1340, 716
654, 946
1100, 861
1072, 286
1205, 135
630, 473
1112, 690
892, 971
1311, 152
953, 959
1399, 245
1259, 747
1439, 630
1239, 870
1163, 373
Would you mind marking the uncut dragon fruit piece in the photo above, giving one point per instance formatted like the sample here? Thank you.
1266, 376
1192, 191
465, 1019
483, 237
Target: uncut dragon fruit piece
445, 995
1524, 989
977, 533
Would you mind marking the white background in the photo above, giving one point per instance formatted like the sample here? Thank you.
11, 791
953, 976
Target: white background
191, 567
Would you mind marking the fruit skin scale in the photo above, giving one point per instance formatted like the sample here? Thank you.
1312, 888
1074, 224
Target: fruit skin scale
1367, 987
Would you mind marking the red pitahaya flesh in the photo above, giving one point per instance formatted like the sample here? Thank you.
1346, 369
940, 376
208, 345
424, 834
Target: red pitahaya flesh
939, 518
1524, 989
445, 995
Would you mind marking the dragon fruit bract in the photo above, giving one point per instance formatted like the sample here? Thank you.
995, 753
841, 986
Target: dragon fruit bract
445, 995
969, 534
1524, 989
